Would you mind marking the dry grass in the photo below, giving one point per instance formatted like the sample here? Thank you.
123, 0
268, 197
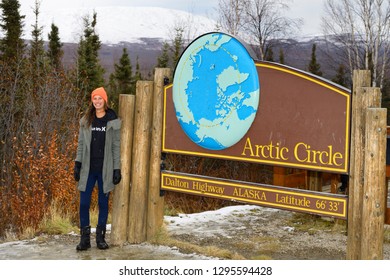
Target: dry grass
267, 245
55, 221
312, 223
258, 247
10, 235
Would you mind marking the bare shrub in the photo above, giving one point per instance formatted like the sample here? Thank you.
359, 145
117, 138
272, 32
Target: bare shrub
37, 146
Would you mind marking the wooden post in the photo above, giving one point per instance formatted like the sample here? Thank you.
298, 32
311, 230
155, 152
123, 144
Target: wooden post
155, 201
279, 176
363, 98
361, 78
140, 164
120, 203
334, 181
314, 181
373, 208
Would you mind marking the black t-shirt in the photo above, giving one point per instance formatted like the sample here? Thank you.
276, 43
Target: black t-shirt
98, 140
97, 143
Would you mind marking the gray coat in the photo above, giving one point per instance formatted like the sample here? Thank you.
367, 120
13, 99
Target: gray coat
111, 153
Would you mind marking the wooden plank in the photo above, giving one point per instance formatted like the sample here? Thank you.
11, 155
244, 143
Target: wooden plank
314, 181
155, 201
279, 176
324, 204
296, 180
291, 178
369, 97
361, 78
140, 164
387, 214
121, 194
373, 206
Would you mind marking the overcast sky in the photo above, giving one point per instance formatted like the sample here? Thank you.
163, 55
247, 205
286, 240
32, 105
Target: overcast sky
309, 10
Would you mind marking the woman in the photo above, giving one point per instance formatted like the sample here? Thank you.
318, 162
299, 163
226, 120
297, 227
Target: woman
97, 160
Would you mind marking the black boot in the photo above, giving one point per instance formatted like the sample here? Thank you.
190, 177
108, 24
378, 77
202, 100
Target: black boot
100, 235
85, 242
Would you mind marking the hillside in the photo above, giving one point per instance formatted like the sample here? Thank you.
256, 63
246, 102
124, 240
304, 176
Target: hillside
297, 54
143, 30
147, 51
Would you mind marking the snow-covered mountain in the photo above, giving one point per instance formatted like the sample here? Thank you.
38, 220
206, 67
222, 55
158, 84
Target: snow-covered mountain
118, 24
142, 31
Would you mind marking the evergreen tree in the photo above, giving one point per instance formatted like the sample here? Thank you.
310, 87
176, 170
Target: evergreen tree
37, 47
36, 55
269, 56
178, 44
55, 52
163, 59
138, 75
124, 74
113, 90
281, 56
340, 77
150, 76
11, 22
89, 71
314, 67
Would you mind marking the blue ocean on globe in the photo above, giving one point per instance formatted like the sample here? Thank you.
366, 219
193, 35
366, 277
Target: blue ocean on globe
216, 91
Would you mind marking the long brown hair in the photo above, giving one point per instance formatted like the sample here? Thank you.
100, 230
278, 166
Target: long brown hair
90, 113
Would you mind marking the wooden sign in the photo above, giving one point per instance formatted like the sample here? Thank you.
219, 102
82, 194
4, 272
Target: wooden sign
223, 104
301, 121
323, 204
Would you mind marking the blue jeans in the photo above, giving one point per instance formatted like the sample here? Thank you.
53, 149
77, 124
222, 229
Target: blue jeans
85, 200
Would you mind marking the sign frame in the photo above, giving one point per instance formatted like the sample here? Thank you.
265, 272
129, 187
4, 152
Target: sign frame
324, 204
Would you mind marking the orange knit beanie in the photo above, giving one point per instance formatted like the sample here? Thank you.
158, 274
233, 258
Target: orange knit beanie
101, 92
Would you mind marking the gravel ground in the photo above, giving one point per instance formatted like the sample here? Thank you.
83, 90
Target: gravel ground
250, 232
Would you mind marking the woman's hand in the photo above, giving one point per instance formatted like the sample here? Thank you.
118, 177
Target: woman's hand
76, 170
117, 176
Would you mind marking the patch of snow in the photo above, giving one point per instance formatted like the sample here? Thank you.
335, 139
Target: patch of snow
211, 223
289, 229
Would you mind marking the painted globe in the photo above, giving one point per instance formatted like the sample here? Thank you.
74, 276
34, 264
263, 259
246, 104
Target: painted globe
216, 91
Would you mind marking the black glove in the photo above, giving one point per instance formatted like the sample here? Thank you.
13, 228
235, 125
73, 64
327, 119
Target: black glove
77, 168
117, 176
